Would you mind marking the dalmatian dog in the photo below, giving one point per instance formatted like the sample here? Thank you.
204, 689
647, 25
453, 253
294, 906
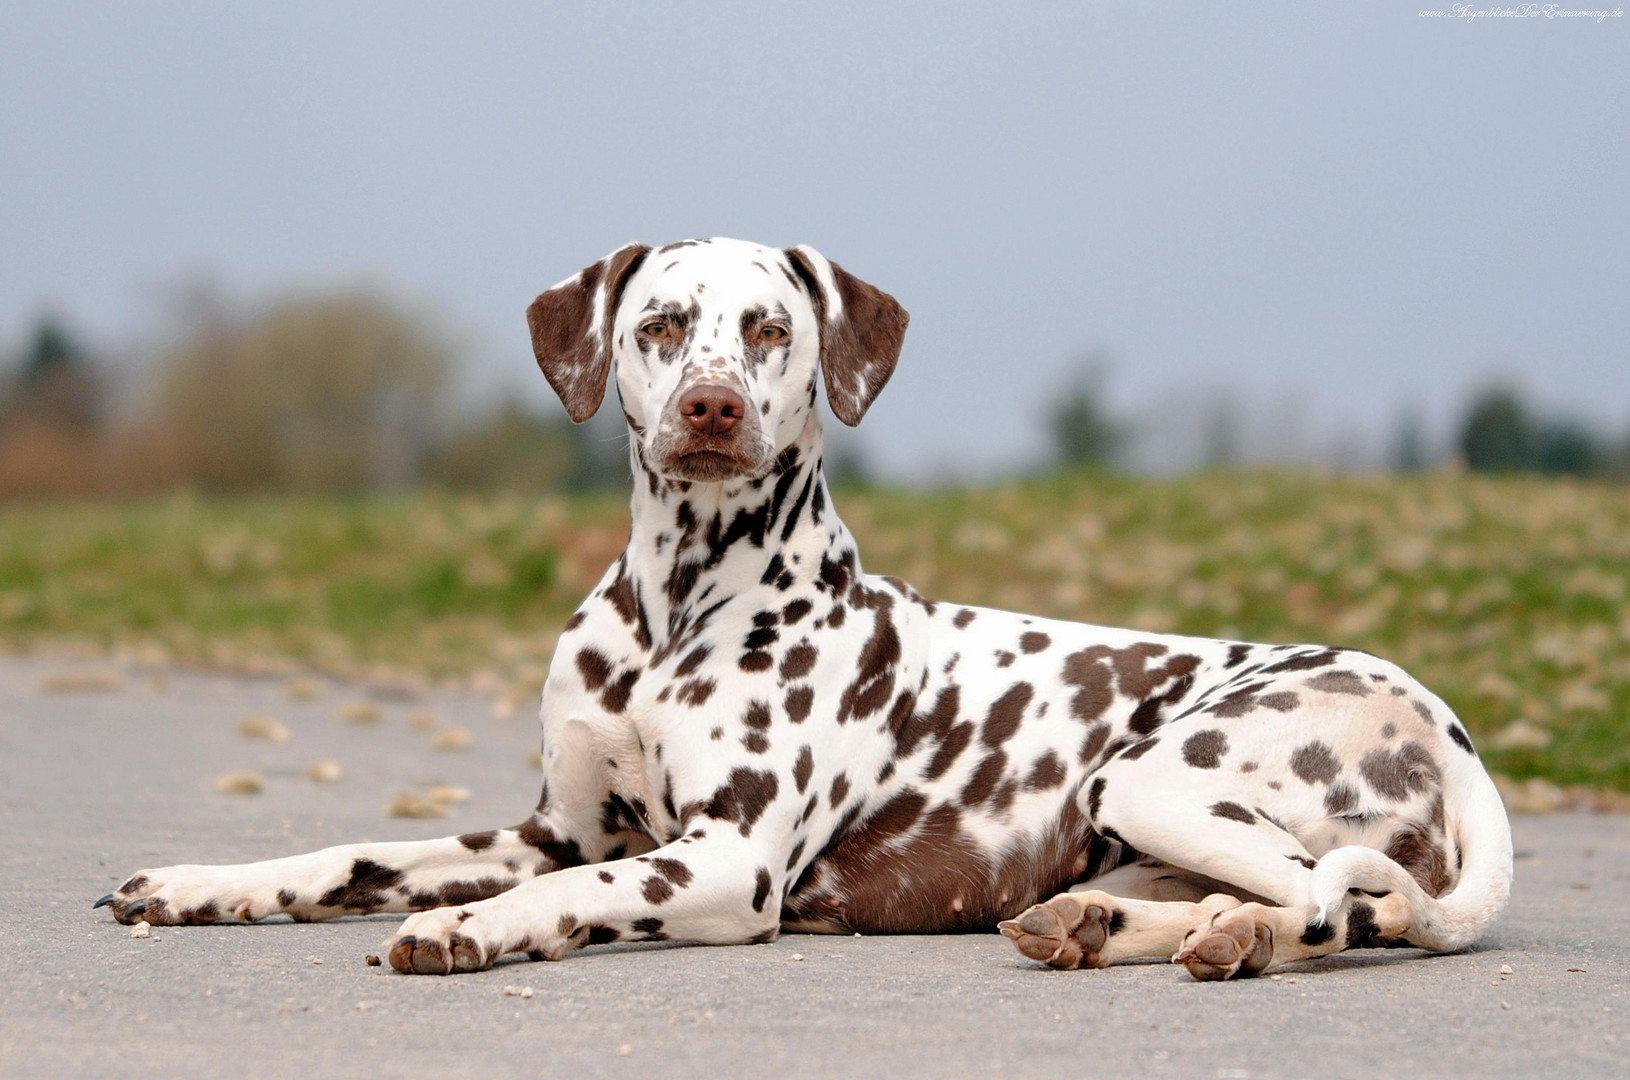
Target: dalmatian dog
744, 733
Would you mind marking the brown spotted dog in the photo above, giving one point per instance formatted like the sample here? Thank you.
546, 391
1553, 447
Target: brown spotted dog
744, 733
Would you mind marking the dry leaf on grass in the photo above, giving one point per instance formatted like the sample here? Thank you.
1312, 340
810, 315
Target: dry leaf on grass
239, 783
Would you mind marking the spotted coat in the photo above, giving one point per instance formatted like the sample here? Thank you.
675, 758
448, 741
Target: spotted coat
744, 732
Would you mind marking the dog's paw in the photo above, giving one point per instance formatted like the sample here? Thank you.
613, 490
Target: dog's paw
1233, 943
177, 895
1068, 931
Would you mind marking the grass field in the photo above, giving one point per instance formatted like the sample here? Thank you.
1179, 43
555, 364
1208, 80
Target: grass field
1507, 596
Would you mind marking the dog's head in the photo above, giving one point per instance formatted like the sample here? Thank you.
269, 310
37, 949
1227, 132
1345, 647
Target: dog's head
716, 344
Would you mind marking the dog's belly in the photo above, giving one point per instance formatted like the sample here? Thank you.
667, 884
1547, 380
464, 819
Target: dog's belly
919, 866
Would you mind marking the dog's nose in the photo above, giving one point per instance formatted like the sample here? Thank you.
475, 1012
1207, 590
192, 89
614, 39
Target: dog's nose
712, 410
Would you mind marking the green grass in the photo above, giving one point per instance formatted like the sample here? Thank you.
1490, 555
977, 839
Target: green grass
1507, 596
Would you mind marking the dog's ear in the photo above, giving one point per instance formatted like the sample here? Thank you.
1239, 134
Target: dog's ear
862, 329
572, 325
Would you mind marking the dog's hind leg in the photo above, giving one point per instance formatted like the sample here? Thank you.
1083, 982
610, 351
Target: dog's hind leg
1226, 852
1139, 911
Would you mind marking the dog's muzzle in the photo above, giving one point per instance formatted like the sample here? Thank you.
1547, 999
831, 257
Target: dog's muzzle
709, 434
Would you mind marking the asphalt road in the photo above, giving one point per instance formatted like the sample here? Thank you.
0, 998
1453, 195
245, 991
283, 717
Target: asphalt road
96, 783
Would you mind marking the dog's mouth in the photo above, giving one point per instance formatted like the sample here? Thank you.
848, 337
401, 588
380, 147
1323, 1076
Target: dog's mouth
707, 466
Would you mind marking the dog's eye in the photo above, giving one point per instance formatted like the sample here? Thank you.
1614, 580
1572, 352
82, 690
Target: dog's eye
771, 333
655, 328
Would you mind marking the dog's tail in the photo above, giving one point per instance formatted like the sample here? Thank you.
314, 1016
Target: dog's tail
1475, 816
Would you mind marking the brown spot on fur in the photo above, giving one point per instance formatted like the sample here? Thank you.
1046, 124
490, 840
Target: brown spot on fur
1304, 662
798, 662
1315, 763
1340, 682
479, 841
695, 692
594, 667
1340, 799
1233, 811
1205, 749
984, 779
1395, 774
1094, 742
839, 792
364, 891
562, 853
802, 769
963, 618
798, 703
656, 890
1034, 641
951, 746
1005, 714
741, 800
1048, 772
1415, 850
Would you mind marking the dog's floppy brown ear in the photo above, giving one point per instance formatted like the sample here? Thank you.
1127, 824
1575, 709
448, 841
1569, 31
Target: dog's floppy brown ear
571, 329
862, 329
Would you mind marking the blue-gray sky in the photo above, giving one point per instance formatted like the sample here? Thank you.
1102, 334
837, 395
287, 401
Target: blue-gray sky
1340, 211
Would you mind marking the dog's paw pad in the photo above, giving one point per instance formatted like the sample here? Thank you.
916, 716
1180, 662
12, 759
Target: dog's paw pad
1062, 933
1234, 943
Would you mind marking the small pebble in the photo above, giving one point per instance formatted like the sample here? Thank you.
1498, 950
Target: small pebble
363, 1006
1505, 1005
448, 795
371, 960
422, 720
518, 991
142, 929
1505, 969
624, 1050
797, 956
239, 783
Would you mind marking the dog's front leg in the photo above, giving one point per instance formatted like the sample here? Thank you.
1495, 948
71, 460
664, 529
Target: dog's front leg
358, 879
712, 886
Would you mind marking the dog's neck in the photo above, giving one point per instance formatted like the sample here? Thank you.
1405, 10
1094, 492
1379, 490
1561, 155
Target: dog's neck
693, 546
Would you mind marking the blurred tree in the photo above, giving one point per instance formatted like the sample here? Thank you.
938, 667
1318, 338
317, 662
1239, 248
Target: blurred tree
1409, 443
55, 384
51, 412
1496, 436
1084, 433
331, 393
511, 450
1566, 448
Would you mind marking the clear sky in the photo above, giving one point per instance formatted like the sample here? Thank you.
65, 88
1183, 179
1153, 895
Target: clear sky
1338, 211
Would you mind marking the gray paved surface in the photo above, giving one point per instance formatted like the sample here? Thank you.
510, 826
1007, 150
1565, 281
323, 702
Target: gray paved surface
96, 784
